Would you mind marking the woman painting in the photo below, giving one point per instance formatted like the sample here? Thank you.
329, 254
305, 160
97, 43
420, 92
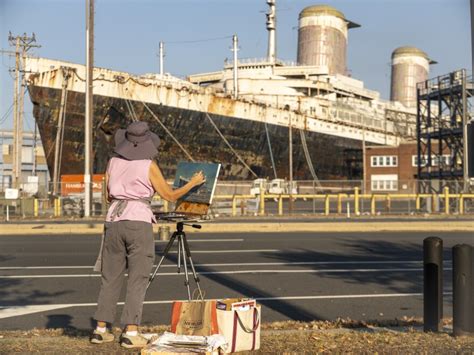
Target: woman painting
132, 178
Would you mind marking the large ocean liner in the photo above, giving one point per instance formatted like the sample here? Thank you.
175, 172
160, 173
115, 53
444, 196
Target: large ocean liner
249, 116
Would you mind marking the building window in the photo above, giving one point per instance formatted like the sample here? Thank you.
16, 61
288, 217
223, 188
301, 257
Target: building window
6, 181
384, 160
27, 155
6, 149
387, 182
445, 160
414, 160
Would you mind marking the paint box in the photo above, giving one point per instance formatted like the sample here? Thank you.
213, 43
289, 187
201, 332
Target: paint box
236, 304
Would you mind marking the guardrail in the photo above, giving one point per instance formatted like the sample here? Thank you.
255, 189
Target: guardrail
355, 203
356, 198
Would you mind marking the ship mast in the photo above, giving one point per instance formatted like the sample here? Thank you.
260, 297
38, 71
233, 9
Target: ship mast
235, 48
162, 55
271, 28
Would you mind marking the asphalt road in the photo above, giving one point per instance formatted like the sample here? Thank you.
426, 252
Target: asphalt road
47, 281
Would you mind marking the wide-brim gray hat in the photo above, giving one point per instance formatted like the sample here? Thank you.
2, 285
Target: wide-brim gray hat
136, 142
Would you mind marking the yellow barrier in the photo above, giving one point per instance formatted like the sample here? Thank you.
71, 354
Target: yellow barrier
446, 200
57, 207
35, 207
356, 201
326, 205
356, 197
262, 204
434, 202
234, 206
372, 205
388, 199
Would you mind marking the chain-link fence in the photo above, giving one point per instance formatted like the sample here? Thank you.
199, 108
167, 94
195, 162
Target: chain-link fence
263, 198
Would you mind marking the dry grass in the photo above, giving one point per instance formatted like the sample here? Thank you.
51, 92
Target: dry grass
343, 335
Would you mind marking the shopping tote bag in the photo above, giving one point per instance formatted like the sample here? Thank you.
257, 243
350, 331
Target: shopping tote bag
241, 329
194, 318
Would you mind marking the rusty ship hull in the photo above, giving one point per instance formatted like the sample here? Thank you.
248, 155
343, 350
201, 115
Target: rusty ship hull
193, 130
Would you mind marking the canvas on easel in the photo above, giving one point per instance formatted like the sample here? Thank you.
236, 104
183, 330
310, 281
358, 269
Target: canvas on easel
198, 199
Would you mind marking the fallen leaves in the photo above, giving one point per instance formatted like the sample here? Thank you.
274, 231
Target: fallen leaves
291, 337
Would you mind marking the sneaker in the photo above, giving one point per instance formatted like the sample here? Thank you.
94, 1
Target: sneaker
133, 341
99, 337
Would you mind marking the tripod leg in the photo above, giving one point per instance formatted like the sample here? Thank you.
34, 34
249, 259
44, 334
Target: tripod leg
179, 255
186, 282
165, 253
188, 254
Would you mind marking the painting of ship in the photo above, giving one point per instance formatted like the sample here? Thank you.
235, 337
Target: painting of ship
201, 194
258, 118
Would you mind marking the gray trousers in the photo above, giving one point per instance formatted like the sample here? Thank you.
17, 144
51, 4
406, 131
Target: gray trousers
127, 245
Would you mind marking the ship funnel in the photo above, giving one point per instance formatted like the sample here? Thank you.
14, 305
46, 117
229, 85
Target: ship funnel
322, 38
410, 66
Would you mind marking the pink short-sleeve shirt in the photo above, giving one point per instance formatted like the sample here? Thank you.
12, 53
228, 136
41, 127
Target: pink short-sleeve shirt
129, 180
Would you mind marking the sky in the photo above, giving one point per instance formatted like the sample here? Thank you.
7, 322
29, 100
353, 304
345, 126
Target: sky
197, 35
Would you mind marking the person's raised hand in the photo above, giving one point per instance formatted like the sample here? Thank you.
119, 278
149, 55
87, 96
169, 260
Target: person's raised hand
197, 179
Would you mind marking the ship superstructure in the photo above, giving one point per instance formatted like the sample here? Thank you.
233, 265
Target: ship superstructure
324, 111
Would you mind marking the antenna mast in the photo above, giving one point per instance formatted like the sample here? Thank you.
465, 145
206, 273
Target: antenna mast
162, 55
235, 48
271, 28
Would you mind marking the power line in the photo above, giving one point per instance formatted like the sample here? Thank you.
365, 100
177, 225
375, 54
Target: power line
9, 111
199, 40
5, 116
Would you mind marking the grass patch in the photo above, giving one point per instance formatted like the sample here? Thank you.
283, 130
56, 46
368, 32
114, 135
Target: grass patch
342, 335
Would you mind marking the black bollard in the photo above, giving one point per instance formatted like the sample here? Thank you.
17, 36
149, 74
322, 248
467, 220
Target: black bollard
432, 284
462, 280
472, 291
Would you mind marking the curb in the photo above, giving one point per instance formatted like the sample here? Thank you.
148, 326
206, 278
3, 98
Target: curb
269, 227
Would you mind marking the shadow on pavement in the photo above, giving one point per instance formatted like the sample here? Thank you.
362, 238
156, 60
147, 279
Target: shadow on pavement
15, 292
358, 251
280, 306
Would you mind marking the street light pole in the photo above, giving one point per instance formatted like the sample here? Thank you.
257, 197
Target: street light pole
290, 162
89, 106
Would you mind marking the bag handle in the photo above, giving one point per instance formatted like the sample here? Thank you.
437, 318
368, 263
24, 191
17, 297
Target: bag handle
256, 321
199, 295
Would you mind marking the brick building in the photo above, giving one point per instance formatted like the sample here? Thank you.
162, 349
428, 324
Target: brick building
394, 169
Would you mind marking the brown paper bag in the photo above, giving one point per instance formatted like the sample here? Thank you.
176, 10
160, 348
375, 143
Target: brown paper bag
194, 318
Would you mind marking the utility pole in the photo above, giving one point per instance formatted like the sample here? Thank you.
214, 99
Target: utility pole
472, 36
33, 170
235, 48
22, 45
162, 55
17, 131
89, 107
290, 158
465, 121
